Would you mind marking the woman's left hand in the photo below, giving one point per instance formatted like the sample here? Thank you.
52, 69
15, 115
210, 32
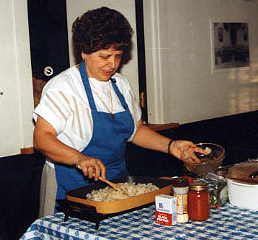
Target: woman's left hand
185, 151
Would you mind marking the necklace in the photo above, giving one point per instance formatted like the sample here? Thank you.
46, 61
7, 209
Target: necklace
110, 110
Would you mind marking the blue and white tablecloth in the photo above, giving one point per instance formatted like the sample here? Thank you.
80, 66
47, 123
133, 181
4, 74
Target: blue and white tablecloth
226, 222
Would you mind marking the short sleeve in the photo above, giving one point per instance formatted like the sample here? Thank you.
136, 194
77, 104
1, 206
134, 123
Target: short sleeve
54, 108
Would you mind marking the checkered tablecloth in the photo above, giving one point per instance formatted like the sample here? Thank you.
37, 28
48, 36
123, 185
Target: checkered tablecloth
226, 222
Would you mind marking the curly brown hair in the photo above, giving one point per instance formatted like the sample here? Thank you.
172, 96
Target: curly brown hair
101, 28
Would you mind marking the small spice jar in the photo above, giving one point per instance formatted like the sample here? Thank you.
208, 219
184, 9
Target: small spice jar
198, 201
180, 190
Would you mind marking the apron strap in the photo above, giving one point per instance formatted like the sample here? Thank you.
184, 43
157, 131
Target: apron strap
86, 84
119, 94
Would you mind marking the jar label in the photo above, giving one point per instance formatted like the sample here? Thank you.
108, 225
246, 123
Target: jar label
181, 203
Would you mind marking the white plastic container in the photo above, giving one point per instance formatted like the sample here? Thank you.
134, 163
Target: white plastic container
243, 195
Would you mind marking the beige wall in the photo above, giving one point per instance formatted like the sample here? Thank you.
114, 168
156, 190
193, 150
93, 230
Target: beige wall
181, 83
76, 8
16, 98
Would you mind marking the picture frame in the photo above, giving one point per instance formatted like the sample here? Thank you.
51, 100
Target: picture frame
230, 45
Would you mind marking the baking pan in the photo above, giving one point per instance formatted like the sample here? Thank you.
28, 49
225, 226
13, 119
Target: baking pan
79, 195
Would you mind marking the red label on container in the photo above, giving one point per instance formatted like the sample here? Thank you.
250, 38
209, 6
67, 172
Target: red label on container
163, 218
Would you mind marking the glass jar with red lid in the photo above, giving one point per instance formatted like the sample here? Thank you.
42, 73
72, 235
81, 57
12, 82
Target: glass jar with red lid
198, 201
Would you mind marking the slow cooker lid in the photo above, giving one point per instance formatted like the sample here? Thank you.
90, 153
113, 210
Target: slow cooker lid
244, 172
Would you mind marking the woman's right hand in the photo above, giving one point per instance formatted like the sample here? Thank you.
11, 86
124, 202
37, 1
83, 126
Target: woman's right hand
91, 167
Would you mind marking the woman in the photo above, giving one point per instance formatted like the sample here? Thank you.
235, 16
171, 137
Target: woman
88, 112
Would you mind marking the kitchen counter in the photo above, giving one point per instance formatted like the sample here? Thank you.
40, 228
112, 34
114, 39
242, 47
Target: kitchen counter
226, 222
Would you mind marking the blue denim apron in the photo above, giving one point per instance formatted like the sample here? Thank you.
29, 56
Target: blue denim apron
108, 143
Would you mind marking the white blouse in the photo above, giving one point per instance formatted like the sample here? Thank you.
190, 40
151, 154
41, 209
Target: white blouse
65, 106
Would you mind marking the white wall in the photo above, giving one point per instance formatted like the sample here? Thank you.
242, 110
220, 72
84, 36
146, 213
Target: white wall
76, 8
181, 84
16, 98
16, 90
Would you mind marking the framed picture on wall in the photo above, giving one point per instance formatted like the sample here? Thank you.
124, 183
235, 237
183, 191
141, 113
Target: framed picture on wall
230, 45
